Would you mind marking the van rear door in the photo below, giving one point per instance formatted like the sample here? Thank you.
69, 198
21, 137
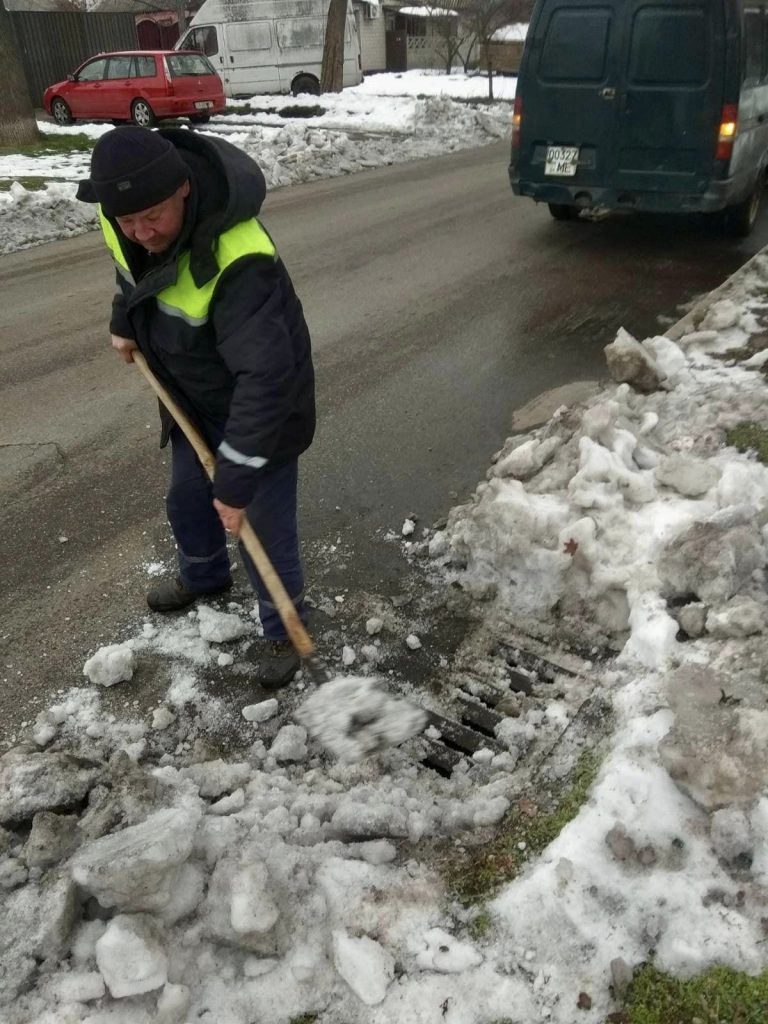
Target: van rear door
672, 95
570, 92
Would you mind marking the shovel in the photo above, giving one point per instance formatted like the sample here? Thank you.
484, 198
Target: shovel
316, 669
352, 716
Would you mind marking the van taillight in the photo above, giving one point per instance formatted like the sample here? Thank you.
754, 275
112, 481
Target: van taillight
729, 126
517, 120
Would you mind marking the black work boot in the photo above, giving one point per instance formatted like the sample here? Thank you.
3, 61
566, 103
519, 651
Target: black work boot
278, 664
173, 595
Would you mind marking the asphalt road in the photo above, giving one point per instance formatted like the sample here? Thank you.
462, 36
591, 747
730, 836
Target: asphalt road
439, 305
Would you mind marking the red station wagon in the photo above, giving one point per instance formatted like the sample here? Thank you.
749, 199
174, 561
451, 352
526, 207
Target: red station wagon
142, 86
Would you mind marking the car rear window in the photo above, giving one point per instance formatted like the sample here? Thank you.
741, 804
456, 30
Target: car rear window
183, 64
145, 67
576, 45
670, 46
119, 67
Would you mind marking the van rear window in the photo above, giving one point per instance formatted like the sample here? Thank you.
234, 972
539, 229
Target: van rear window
183, 64
670, 46
576, 45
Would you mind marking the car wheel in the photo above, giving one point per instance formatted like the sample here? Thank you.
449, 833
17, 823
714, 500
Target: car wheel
741, 218
61, 112
561, 211
142, 114
199, 118
305, 83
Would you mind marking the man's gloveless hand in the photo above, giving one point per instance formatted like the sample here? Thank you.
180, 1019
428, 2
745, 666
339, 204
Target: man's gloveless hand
124, 347
231, 518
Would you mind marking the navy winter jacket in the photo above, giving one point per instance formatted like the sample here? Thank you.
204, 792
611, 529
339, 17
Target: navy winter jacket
219, 322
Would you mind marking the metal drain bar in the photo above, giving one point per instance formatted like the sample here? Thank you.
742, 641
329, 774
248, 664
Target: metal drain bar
459, 739
474, 728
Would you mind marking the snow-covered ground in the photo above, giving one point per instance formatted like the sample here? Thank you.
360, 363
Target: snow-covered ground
389, 118
152, 875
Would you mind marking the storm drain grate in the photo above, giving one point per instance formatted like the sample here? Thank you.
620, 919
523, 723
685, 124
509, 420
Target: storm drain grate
459, 739
474, 727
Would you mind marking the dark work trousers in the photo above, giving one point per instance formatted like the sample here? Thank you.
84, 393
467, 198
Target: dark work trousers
202, 541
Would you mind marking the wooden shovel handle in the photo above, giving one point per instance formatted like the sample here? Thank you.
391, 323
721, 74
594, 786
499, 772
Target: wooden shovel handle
286, 609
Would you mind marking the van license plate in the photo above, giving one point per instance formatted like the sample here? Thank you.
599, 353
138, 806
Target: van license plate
562, 161
203, 105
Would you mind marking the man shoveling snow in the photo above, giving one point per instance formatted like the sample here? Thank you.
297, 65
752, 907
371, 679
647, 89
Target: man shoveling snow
204, 296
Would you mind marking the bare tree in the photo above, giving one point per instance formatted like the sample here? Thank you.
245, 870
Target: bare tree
452, 34
484, 17
18, 126
332, 71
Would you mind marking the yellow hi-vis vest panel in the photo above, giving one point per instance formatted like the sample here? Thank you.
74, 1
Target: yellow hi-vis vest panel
184, 299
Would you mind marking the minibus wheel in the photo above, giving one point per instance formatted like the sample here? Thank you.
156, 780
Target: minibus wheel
305, 83
562, 211
741, 218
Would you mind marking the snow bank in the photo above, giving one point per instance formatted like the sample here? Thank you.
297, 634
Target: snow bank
615, 518
379, 123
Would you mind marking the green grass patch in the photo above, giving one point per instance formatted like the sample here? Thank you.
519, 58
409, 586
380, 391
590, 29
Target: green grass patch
474, 874
74, 142
719, 996
480, 926
32, 183
306, 1018
749, 437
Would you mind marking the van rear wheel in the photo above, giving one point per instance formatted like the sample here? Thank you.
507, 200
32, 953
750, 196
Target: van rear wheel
305, 83
741, 218
562, 211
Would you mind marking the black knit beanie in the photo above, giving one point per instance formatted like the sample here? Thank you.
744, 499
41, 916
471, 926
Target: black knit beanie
132, 169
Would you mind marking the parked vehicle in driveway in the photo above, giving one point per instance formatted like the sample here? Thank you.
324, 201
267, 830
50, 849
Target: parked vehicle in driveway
631, 104
261, 46
142, 86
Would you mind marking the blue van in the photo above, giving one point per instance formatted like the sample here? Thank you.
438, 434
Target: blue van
636, 105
